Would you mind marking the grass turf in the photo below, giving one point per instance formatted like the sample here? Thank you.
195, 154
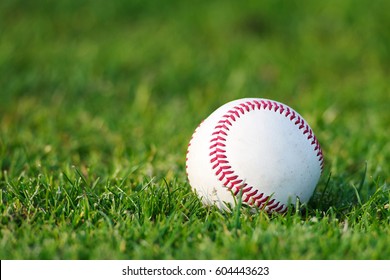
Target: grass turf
98, 101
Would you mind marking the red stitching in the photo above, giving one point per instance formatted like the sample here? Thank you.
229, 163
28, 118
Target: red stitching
234, 112
246, 107
257, 104
220, 132
188, 147
222, 127
217, 151
270, 207
222, 168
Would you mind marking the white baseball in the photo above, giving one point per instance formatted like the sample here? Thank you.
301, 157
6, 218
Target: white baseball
260, 146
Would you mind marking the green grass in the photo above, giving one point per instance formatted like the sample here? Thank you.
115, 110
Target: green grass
98, 100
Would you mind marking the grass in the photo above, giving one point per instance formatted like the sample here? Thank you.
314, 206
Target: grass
98, 101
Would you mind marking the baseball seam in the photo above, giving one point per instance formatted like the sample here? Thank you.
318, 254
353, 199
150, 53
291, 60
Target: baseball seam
220, 162
188, 148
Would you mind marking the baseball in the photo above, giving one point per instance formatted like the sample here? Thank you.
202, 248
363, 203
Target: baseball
258, 150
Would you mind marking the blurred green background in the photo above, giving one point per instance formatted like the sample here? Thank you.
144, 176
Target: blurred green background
117, 87
103, 77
